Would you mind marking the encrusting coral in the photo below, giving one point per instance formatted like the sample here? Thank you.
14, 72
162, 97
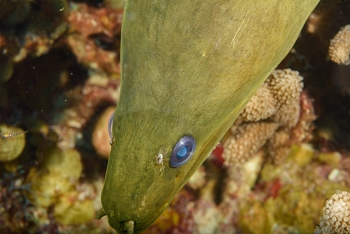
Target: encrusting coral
339, 48
269, 117
336, 215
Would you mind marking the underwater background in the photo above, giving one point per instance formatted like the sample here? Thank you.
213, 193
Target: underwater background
273, 172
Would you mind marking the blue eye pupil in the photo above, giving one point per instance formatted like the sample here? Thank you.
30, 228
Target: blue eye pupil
183, 152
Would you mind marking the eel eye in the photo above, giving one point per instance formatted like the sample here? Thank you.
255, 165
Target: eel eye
110, 125
182, 151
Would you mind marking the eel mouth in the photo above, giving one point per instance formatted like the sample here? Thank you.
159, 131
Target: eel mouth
129, 226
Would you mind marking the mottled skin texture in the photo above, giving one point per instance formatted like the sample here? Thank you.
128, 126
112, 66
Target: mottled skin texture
188, 68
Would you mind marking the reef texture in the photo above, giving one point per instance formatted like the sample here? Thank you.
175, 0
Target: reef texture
59, 71
270, 118
339, 48
272, 172
258, 197
336, 215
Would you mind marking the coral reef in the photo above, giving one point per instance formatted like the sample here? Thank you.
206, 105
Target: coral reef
247, 140
270, 118
276, 99
85, 101
94, 37
38, 25
13, 203
339, 48
285, 86
257, 197
336, 215
56, 175
271, 173
57, 74
54, 183
261, 106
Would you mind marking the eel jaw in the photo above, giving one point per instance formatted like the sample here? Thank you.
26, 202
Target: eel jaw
129, 226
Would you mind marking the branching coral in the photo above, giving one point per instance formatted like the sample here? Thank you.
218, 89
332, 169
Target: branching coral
339, 48
240, 144
285, 85
275, 98
261, 106
336, 215
270, 117
279, 146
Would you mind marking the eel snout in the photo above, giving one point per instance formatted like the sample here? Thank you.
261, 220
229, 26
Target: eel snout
128, 225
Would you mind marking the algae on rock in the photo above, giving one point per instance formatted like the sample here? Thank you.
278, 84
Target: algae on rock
54, 184
12, 146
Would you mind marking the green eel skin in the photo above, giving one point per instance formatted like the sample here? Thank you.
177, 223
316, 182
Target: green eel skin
188, 68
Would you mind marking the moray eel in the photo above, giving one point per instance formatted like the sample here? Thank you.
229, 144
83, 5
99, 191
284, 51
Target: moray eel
188, 68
